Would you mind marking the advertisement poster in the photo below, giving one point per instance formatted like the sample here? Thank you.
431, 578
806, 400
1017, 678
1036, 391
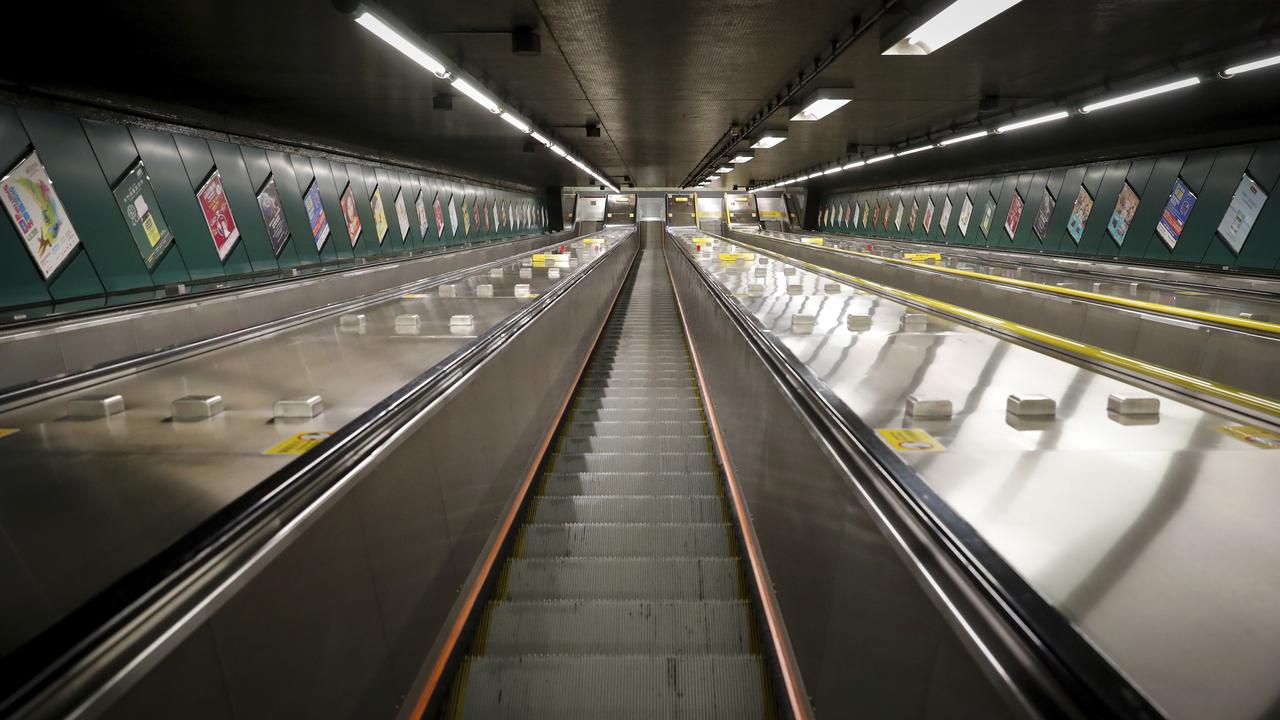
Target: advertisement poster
273, 216
402, 215
315, 215
1122, 216
945, 221
420, 204
888, 214
475, 215
1080, 211
866, 213
466, 216
349, 214
453, 217
988, 213
1015, 215
897, 220
1041, 224
1176, 211
966, 212
379, 214
915, 210
38, 215
857, 214
875, 217
439, 217
928, 216
1243, 211
217, 215
137, 201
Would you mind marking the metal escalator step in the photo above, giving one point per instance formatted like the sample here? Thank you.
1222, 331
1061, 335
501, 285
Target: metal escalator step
686, 483
617, 627
643, 687
647, 540
598, 395
639, 382
591, 428
626, 414
621, 579
630, 462
661, 402
636, 444
627, 508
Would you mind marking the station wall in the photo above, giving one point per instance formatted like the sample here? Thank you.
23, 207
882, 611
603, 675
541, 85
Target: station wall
86, 160
1212, 176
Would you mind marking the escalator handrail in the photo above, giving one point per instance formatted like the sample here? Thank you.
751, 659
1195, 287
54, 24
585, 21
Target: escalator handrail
97, 651
1045, 664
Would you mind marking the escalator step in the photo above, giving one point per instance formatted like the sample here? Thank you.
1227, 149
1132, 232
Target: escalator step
621, 579
630, 539
637, 444
627, 508
615, 428
693, 483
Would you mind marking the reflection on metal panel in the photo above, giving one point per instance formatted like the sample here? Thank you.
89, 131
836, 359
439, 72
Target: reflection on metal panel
620, 210
590, 208
741, 209
648, 209
681, 211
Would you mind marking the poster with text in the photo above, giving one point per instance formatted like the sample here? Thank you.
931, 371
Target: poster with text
988, 213
380, 224
1041, 224
945, 221
38, 214
349, 214
147, 225
1243, 211
1080, 211
402, 215
315, 215
273, 216
1176, 211
1122, 216
420, 204
915, 210
928, 216
966, 212
1012, 219
217, 215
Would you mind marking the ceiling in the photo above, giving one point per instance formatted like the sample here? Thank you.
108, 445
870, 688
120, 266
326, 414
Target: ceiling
664, 79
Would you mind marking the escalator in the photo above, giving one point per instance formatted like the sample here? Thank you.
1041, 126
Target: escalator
624, 594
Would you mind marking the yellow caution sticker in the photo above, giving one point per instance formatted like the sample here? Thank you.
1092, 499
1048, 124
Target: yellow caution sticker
6, 432
730, 257
1255, 436
413, 296
921, 256
298, 443
592, 241
812, 241
909, 440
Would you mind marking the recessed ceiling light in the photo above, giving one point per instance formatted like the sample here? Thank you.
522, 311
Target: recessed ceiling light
769, 139
742, 157
955, 20
822, 103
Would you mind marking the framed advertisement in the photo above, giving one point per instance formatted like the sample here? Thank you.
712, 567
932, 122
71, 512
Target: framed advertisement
1014, 216
137, 201
875, 217
1176, 211
1080, 211
897, 220
866, 213
315, 215
453, 216
888, 214
944, 222
857, 214
38, 215
1122, 216
1041, 224
915, 211
349, 214
420, 204
966, 212
988, 213
928, 216
402, 215
1243, 211
217, 215
438, 215
380, 224
273, 215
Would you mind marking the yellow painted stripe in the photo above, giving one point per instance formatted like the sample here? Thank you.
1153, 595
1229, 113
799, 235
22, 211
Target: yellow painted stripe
1234, 395
1200, 315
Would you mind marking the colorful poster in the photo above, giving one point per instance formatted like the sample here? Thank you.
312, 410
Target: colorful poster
1122, 216
497, 217
38, 214
1041, 224
420, 204
875, 218
915, 211
1080, 211
273, 215
217, 215
402, 215
928, 216
1242, 213
1015, 215
1176, 211
380, 224
453, 216
988, 213
857, 214
438, 212
349, 214
466, 216
897, 220
866, 213
966, 212
945, 221
137, 201
315, 215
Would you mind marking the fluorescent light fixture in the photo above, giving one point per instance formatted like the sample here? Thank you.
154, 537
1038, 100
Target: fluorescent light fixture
770, 139
822, 103
955, 20
725, 169
880, 158
1250, 66
855, 164
811, 176
963, 138
1010, 127
538, 136
915, 150
558, 150
833, 171
742, 156
515, 122
373, 24
474, 93
1157, 90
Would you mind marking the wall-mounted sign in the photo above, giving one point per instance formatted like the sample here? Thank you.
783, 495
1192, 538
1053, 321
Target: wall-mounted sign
273, 215
1176, 211
315, 215
875, 217
1122, 216
466, 216
1014, 216
142, 214
38, 214
380, 224
349, 214
897, 219
866, 213
915, 210
945, 221
857, 215
1041, 224
1243, 211
966, 212
217, 215
402, 215
988, 213
928, 216
1080, 211
420, 204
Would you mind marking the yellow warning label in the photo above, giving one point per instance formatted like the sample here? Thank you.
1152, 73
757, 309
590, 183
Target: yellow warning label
541, 257
919, 256
413, 296
731, 257
1255, 436
592, 241
680, 199
6, 432
909, 440
298, 443
812, 241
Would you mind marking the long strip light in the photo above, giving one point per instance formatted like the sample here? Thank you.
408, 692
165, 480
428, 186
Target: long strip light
538, 136
915, 150
955, 20
477, 95
1140, 94
1250, 66
854, 164
833, 171
375, 25
516, 122
1010, 127
964, 138
880, 158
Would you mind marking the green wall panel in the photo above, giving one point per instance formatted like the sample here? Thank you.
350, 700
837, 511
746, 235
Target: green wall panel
242, 196
20, 281
177, 200
1262, 249
295, 213
331, 178
1199, 243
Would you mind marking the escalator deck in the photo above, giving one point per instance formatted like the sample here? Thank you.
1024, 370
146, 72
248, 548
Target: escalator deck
624, 595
